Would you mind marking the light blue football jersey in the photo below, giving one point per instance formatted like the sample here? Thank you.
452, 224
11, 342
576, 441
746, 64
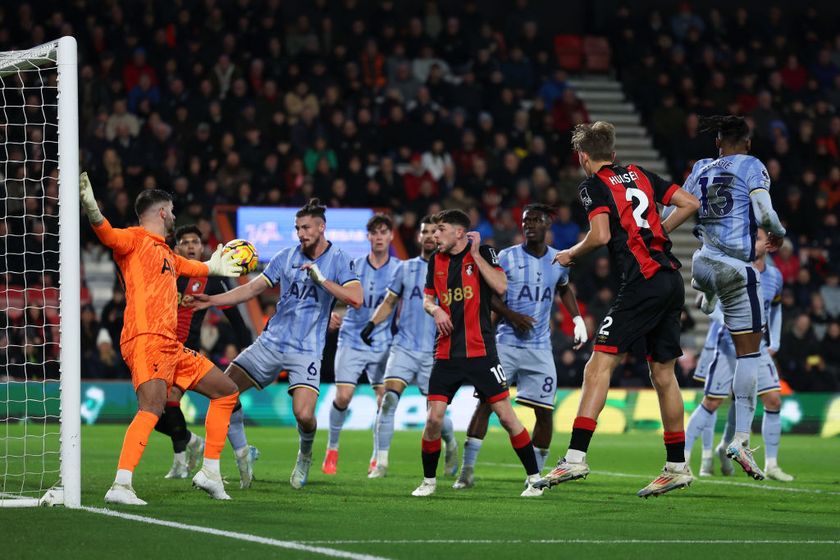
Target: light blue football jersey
303, 310
375, 282
531, 283
416, 328
723, 186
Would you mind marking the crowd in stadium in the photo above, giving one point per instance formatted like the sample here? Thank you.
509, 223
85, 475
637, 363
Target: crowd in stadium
245, 103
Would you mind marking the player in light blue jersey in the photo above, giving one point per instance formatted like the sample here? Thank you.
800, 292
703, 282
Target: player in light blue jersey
716, 369
353, 358
412, 353
734, 201
311, 276
523, 336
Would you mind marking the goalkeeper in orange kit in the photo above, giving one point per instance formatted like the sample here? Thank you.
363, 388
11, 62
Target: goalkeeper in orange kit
148, 270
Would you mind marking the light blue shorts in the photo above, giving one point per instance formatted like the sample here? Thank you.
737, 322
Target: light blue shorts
350, 364
721, 372
263, 365
533, 372
736, 283
408, 366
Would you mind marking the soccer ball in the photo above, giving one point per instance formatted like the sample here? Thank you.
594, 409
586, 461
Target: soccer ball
244, 253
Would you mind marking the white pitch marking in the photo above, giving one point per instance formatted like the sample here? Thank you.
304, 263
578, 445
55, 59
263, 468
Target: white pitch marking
291, 545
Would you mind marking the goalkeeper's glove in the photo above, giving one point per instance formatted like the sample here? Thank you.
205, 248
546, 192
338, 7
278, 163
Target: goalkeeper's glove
316, 274
581, 336
223, 265
88, 201
366, 333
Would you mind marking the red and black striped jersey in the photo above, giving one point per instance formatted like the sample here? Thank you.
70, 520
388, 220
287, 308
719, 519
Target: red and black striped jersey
462, 292
639, 246
190, 320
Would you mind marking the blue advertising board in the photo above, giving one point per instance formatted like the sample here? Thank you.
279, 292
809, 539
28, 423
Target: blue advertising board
272, 228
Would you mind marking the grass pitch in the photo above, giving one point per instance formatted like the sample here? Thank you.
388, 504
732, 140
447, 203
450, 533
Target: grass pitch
350, 516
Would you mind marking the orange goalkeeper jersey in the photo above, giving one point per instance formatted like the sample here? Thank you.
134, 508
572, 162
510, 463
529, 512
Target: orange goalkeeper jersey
149, 270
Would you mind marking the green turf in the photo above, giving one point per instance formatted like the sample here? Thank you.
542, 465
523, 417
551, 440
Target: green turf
349, 507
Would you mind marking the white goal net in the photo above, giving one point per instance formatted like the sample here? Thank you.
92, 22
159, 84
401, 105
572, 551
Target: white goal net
39, 277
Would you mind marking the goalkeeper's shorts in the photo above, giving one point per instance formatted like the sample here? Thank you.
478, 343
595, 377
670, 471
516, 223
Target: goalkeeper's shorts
151, 356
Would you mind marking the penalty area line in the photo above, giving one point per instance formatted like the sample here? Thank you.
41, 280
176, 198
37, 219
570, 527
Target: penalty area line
290, 545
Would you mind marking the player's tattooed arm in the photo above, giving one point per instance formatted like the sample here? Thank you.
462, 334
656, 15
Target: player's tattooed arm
597, 236
519, 321
686, 206
443, 321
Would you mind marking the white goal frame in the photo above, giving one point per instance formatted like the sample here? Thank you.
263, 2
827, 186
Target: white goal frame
68, 490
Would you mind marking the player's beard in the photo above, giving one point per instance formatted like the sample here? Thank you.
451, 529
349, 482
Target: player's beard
169, 225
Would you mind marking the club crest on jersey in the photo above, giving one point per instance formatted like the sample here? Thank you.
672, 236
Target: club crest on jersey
585, 198
469, 269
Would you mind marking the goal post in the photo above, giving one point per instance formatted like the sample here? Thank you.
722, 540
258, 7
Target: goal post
40, 285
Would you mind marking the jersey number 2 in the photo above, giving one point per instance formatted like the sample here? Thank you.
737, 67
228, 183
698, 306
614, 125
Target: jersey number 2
640, 196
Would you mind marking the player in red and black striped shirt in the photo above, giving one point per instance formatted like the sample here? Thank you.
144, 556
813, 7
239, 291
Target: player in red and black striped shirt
621, 203
462, 276
186, 445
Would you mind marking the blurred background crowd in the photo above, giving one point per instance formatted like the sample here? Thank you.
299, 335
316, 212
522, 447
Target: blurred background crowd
417, 106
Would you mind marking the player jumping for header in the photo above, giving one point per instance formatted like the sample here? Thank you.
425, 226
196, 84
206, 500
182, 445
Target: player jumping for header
735, 201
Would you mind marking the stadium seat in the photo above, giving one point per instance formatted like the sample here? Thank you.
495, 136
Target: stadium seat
569, 51
596, 52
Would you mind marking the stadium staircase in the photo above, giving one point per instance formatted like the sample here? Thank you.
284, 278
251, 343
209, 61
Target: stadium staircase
605, 101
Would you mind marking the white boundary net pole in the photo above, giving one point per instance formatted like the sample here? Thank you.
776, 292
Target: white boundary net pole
69, 271
27, 398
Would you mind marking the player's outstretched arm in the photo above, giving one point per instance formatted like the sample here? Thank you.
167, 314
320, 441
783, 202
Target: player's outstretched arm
597, 236
349, 293
234, 297
119, 240
382, 312
88, 200
686, 205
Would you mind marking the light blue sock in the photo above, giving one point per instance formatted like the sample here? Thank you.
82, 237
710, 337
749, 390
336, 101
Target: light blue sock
771, 431
471, 448
729, 429
337, 418
448, 431
698, 421
743, 386
306, 440
708, 435
541, 456
384, 429
236, 431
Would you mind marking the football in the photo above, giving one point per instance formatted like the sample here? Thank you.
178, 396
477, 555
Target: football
244, 252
